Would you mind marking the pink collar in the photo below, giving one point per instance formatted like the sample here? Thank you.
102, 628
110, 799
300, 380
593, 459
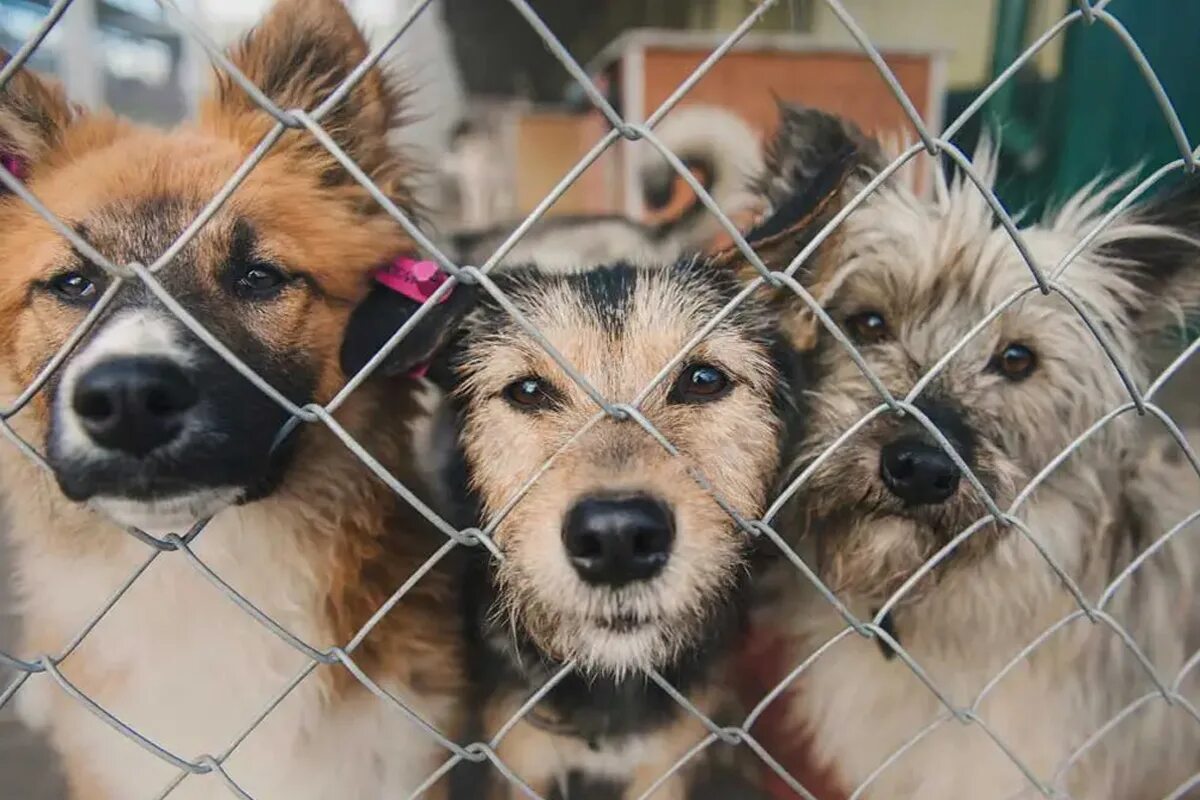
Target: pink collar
416, 280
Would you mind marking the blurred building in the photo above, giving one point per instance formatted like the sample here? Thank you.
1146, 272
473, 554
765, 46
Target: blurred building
118, 53
128, 55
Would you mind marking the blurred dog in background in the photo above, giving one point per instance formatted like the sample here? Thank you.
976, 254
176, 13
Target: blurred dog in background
716, 146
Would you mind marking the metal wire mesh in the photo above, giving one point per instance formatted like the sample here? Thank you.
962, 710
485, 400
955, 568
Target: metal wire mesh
1044, 279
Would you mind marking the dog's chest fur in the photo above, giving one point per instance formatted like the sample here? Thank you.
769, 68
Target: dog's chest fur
863, 709
596, 738
178, 662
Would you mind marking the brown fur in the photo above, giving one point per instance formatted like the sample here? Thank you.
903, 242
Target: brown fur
130, 191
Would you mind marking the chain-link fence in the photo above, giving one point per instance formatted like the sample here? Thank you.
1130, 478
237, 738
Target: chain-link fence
1044, 279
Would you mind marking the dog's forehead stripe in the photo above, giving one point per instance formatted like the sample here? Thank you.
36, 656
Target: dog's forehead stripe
608, 297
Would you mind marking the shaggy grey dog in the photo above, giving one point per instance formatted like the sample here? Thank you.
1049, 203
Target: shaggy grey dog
901, 534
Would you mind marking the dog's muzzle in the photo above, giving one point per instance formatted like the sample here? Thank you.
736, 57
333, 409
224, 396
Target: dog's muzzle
134, 405
156, 430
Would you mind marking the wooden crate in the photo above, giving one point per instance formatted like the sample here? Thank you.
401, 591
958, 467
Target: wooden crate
645, 67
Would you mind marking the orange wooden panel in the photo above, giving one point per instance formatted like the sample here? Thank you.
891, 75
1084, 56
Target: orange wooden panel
747, 82
548, 146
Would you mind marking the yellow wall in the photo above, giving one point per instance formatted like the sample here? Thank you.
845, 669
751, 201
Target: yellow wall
964, 28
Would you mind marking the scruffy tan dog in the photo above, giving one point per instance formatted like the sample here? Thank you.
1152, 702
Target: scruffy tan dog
907, 279
617, 556
146, 426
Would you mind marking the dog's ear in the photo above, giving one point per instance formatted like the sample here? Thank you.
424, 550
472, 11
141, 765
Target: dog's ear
811, 162
34, 116
299, 55
1159, 251
380, 315
814, 164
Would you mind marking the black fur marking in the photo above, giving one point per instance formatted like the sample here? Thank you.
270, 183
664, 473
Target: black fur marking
384, 311
888, 626
234, 429
608, 293
808, 164
1155, 263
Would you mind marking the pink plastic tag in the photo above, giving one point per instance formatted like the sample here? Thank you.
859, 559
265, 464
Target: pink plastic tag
416, 280
13, 164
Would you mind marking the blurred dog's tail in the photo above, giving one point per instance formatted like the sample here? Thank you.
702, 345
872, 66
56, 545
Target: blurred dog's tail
725, 155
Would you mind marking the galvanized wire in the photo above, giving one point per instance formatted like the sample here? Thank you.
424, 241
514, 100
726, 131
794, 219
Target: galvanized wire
1044, 278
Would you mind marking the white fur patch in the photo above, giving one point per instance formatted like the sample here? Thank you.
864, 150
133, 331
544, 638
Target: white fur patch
169, 515
180, 663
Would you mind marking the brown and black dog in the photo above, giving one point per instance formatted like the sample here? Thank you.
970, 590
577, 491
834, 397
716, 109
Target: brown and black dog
616, 559
144, 426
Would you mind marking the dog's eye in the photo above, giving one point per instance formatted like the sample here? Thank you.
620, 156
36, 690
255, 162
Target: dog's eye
529, 394
258, 281
1016, 362
867, 327
74, 287
700, 383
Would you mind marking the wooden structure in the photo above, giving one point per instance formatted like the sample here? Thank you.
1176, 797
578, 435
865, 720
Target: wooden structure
642, 68
645, 67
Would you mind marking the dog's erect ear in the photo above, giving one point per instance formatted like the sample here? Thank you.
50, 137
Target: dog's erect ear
814, 164
809, 145
1161, 257
810, 162
298, 56
381, 314
34, 115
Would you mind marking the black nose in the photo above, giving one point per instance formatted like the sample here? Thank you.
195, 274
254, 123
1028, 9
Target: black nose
918, 473
619, 540
135, 405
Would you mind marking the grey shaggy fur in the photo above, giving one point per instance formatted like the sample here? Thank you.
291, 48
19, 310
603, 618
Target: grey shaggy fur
1080, 711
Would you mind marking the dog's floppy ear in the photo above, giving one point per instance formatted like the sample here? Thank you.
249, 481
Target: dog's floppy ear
1161, 257
380, 315
34, 116
298, 56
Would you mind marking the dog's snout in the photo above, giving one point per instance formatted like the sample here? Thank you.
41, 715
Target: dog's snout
917, 472
619, 540
134, 405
